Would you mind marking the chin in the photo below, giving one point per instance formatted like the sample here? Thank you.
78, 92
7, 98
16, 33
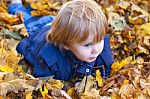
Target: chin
90, 60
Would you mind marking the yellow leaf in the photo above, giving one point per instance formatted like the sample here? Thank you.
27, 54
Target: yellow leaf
134, 7
6, 69
54, 84
33, 5
44, 92
2, 9
1, 97
71, 92
136, 20
29, 95
144, 29
114, 96
125, 48
99, 78
126, 81
118, 65
11, 19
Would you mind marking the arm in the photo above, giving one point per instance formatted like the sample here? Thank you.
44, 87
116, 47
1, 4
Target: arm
16, 7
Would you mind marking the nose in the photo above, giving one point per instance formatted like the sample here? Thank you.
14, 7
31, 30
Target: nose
96, 49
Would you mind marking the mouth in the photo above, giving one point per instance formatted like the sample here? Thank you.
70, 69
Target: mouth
92, 58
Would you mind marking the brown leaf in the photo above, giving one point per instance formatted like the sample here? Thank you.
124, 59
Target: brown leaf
57, 94
54, 84
72, 93
107, 86
11, 86
86, 84
10, 19
90, 95
127, 89
21, 28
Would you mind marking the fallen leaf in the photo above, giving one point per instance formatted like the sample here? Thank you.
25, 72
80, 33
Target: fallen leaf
72, 92
6, 69
11, 86
29, 95
44, 92
99, 78
54, 84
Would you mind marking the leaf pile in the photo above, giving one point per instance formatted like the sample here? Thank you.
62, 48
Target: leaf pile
11, 26
130, 41
44, 7
130, 26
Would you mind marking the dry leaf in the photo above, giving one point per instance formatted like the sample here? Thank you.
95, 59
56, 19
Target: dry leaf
11, 86
99, 78
72, 93
44, 92
54, 84
87, 95
29, 95
10, 19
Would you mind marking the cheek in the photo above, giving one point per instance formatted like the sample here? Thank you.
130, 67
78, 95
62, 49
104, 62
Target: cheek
82, 51
101, 46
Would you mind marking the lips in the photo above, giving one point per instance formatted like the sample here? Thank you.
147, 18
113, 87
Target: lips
91, 58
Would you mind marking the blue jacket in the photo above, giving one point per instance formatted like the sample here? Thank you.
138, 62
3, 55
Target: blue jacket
48, 59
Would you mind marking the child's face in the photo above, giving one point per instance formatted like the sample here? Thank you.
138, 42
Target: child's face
87, 50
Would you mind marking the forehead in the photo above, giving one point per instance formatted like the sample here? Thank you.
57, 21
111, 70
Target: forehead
89, 39
85, 40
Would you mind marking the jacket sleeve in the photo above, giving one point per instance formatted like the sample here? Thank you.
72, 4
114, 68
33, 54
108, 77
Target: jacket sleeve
32, 24
17, 8
105, 59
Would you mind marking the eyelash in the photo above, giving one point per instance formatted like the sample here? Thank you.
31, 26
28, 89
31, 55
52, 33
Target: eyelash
86, 45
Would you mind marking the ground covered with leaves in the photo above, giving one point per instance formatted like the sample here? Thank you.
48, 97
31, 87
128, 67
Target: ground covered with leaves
129, 22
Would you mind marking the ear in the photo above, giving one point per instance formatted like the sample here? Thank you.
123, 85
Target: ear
66, 47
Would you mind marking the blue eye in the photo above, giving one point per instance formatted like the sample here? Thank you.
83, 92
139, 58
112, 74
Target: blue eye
86, 45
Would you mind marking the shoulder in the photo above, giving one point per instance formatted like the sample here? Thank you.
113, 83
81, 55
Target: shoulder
51, 54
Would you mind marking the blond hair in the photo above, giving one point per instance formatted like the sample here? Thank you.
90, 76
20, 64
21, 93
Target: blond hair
76, 21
